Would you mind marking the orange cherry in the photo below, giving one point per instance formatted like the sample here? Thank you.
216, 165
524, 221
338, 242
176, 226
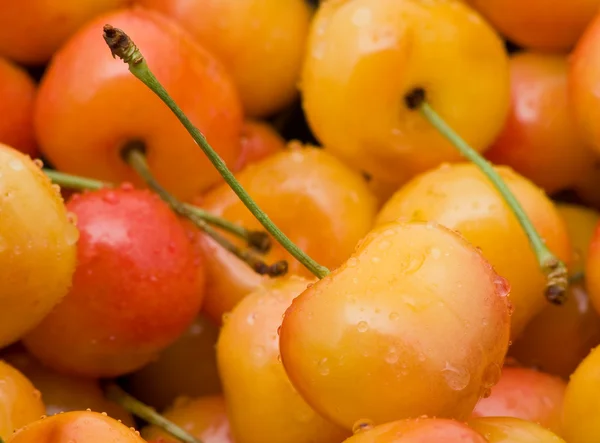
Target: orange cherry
76, 427
301, 188
186, 368
559, 337
89, 106
259, 140
260, 41
32, 31
17, 93
419, 430
537, 24
592, 269
37, 245
540, 139
461, 197
365, 56
63, 393
400, 329
527, 394
262, 404
584, 82
20, 401
203, 417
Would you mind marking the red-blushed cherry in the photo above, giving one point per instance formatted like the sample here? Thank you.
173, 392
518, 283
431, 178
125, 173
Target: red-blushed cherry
137, 287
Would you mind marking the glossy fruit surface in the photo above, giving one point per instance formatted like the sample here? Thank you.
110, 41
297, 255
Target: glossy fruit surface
137, 287
300, 189
357, 109
84, 86
559, 337
17, 93
64, 393
400, 329
538, 24
37, 245
76, 426
460, 197
186, 368
203, 417
31, 32
580, 423
584, 80
540, 139
513, 430
252, 373
528, 394
20, 401
260, 41
421, 430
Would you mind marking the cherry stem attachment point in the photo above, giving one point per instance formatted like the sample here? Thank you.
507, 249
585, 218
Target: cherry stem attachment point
554, 269
135, 157
122, 46
257, 240
115, 393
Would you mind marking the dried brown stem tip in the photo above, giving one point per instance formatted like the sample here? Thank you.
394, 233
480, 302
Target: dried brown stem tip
558, 282
121, 45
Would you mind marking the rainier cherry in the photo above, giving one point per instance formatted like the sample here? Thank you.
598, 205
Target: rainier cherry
37, 245
261, 42
252, 373
20, 401
400, 329
528, 394
76, 426
137, 287
322, 205
365, 56
17, 93
462, 198
89, 107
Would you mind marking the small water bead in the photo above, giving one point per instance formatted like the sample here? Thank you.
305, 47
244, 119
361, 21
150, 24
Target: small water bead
362, 326
383, 245
502, 286
352, 262
392, 356
361, 425
16, 164
394, 316
435, 253
71, 234
111, 198
72, 218
323, 366
457, 379
38, 162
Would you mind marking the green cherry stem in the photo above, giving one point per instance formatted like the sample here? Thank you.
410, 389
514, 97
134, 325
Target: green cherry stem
145, 412
554, 269
257, 240
137, 160
122, 46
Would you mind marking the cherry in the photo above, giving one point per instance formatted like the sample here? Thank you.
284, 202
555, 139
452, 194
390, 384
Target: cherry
400, 329
252, 372
76, 426
37, 245
528, 394
137, 287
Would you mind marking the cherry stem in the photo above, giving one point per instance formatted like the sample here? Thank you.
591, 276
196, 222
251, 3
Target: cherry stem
257, 240
145, 412
554, 269
137, 160
122, 46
